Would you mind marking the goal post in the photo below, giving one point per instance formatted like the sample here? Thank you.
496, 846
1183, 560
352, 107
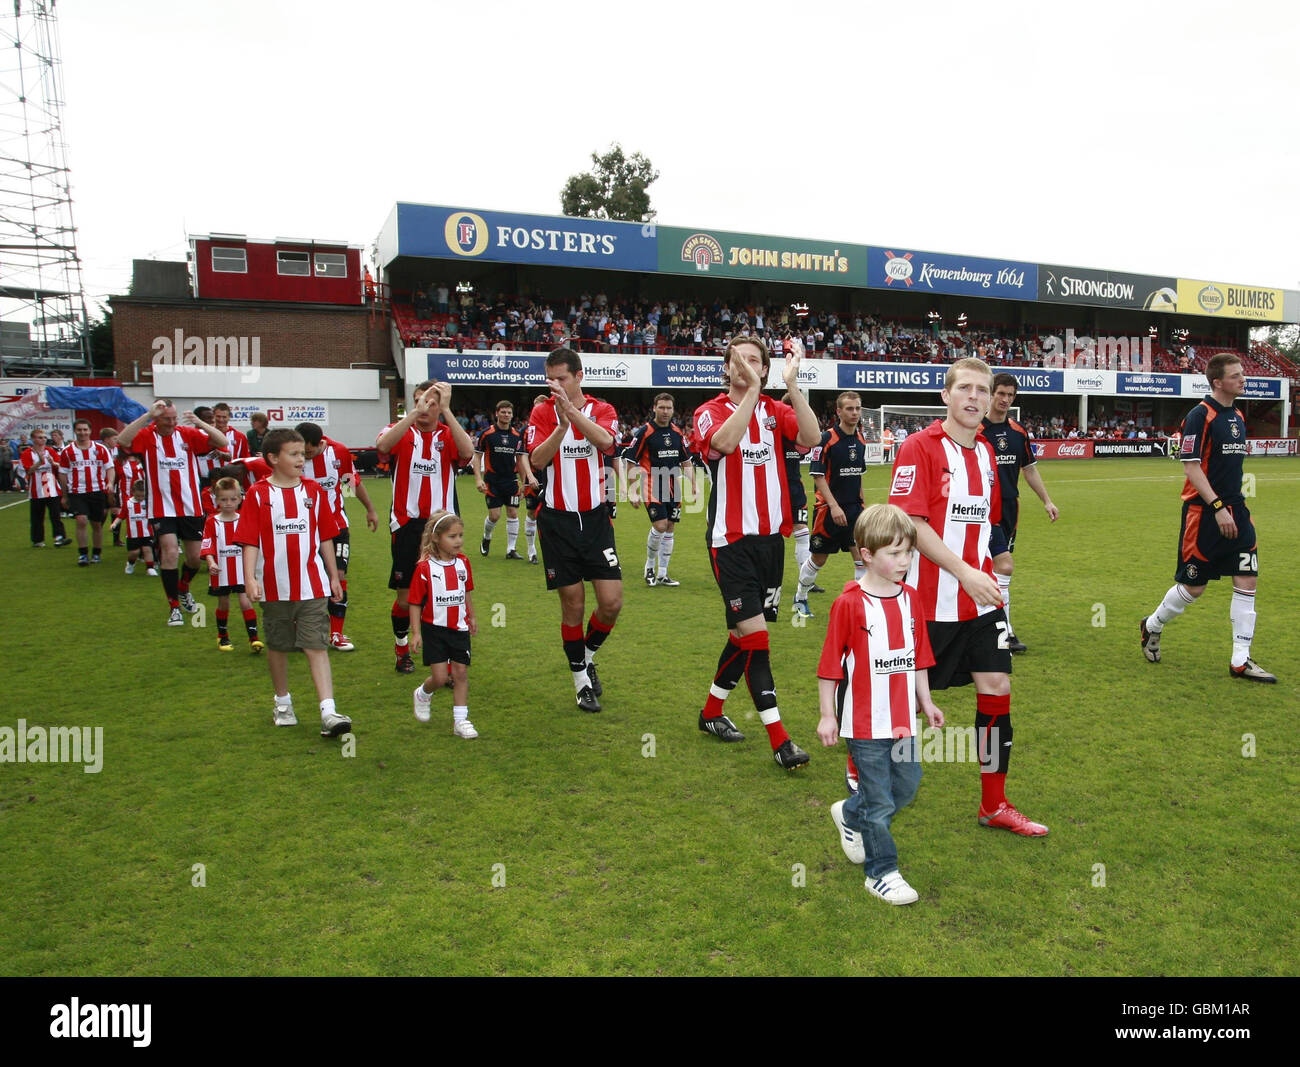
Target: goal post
909, 418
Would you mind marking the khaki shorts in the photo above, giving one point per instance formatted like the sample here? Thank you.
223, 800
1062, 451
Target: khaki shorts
293, 624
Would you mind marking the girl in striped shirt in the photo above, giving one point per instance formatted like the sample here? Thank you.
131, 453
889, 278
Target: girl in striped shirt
442, 618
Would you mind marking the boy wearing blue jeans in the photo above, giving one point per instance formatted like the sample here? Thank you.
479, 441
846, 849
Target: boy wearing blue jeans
871, 681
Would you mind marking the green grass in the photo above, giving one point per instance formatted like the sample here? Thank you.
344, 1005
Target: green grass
684, 863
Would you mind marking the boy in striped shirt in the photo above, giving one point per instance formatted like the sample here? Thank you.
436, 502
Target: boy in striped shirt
139, 535
871, 680
287, 527
226, 565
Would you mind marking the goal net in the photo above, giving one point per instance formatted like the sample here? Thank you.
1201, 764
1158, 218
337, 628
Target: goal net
903, 419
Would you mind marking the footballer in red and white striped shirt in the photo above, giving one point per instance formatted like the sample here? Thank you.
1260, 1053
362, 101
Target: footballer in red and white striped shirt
85, 475
169, 452
955, 488
742, 434
946, 478
426, 447
568, 437
88, 468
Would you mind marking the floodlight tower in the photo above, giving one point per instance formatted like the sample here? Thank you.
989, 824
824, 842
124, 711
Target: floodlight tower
43, 323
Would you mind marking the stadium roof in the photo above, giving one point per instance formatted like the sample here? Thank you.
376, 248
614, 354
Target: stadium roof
431, 231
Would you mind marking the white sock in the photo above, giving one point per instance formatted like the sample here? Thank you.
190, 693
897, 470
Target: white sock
530, 535
1004, 586
285, 701
1176, 601
512, 533
488, 527
652, 547
327, 707
459, 713
801, 549
807, 579
665, 553
581, 679
1242, 613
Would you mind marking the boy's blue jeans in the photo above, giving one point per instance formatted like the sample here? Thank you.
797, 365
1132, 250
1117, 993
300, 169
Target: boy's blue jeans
885, 784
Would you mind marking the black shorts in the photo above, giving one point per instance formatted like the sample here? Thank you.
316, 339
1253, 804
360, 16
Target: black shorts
184, 528
406, 554
342, 550
827, 537
503, 494
749, 574
658, 511
442, 645
135, 544
1204, 555
1002, 538
89, 504
577, 546
225, 590
977, 645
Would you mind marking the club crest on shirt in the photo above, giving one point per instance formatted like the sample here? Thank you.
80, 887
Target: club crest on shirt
770, 422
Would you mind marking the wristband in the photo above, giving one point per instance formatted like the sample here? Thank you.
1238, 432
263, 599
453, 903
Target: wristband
1217, 503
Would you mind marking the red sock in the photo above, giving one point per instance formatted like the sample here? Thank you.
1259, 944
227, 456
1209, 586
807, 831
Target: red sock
336, 625
758, 675
597, 631
731, 665
988, 710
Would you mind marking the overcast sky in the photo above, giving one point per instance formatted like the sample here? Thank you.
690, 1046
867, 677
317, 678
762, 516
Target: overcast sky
1157, 138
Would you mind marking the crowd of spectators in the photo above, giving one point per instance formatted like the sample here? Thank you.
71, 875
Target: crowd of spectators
440, 317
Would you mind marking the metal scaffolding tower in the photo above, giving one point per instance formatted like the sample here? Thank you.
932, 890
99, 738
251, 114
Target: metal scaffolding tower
43, 322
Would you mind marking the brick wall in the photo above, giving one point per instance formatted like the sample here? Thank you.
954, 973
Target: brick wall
331, 338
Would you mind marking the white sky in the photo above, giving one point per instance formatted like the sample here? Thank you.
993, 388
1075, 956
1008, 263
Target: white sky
1157, 138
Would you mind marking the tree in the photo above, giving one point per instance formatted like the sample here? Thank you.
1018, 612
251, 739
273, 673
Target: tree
1286, 339
101, 341
615, 188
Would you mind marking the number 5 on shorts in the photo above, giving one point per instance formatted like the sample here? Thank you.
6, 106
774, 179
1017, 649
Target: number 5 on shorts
610, 558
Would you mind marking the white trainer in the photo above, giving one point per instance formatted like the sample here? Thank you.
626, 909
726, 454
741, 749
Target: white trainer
282, 715
421, 701
892, 889
187, 602
465, 729
333, 724
850, 840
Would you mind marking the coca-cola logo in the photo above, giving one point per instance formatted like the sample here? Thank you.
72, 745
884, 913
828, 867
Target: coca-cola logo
1072, 450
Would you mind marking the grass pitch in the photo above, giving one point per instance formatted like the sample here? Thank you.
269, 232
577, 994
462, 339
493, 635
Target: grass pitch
628, 842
